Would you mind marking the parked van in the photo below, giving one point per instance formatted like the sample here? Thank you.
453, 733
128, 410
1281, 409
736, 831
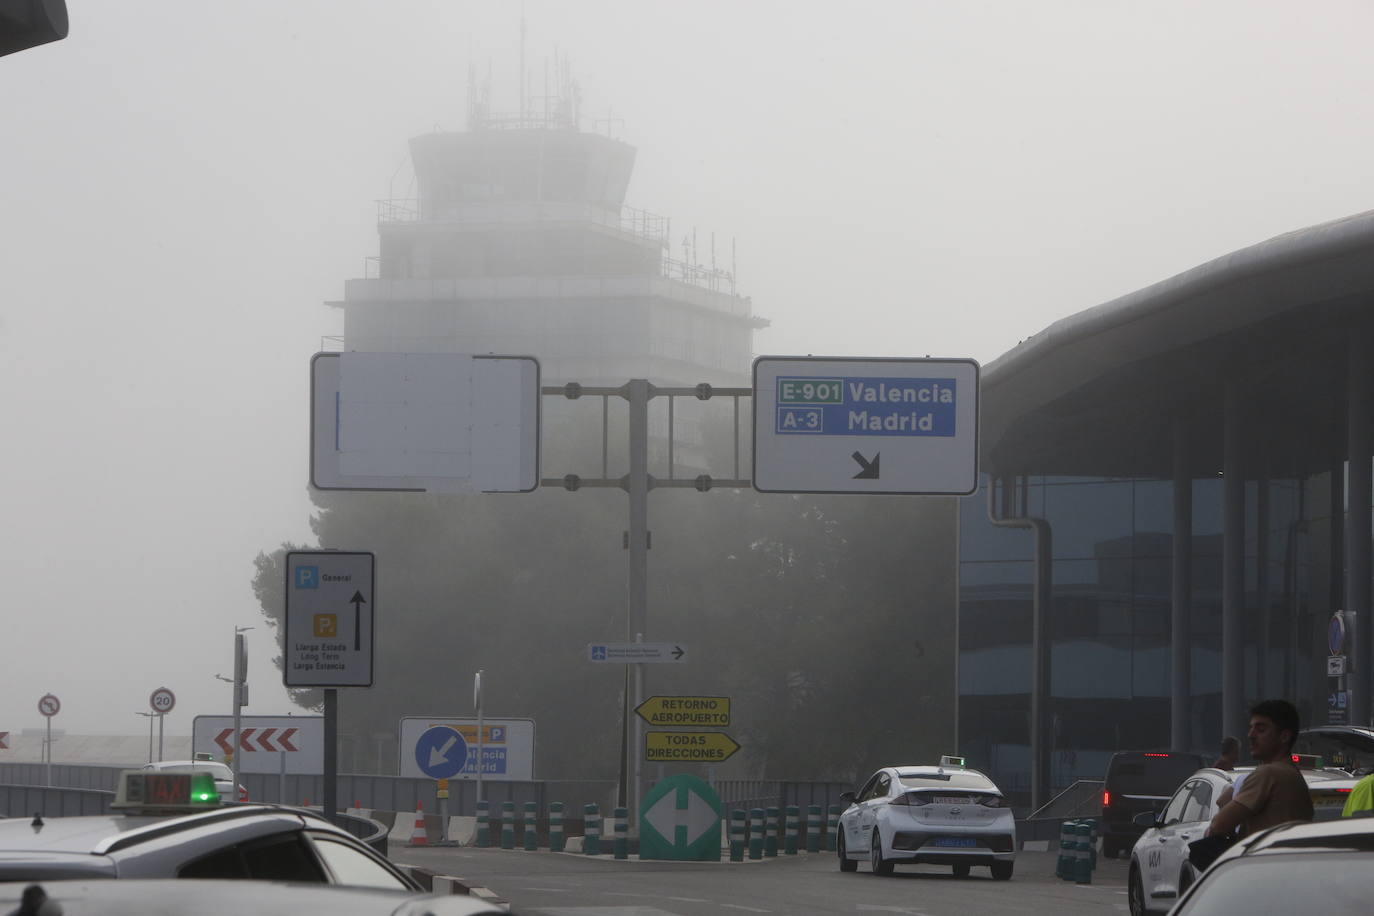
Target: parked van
1139, 781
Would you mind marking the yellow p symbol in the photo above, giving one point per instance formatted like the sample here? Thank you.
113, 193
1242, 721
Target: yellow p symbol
327, 625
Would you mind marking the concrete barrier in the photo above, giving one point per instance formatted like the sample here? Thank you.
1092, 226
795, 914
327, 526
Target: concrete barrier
462, 829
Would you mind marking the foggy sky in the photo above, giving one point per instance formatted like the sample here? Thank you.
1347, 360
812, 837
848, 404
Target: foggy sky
184, 184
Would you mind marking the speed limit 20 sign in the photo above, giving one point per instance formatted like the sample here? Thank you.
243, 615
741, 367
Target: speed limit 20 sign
162, 700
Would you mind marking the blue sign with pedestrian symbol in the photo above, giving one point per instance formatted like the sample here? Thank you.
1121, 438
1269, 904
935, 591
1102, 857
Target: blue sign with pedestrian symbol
441, 752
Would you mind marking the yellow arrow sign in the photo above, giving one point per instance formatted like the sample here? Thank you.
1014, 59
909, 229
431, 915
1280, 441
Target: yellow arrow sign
688, 747
693, 712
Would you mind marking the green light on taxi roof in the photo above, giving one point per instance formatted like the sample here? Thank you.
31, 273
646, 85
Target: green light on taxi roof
203, 789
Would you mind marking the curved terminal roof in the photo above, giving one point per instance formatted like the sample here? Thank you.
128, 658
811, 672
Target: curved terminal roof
1097, 393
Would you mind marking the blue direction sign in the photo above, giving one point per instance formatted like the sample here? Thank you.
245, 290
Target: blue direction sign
441, 752
844, 425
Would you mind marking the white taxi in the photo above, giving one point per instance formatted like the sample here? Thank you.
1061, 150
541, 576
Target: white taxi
937, 815
1160, 871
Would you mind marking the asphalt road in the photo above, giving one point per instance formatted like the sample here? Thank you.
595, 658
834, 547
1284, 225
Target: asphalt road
558, 884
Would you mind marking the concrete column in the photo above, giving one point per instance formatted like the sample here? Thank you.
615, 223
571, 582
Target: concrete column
1232, 565
1359, 398
1181, 605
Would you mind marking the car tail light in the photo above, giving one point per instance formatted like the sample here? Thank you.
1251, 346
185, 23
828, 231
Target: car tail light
1106, 799
992, 801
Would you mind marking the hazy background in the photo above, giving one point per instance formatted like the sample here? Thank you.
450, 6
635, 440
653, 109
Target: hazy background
184, 184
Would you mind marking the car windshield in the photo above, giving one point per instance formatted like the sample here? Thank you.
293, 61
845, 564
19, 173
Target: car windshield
1332, 882
1157, 776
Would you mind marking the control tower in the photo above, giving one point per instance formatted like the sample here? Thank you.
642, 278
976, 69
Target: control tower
519, 242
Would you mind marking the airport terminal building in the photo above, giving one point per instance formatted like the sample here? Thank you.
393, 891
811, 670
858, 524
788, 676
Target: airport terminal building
1175, 502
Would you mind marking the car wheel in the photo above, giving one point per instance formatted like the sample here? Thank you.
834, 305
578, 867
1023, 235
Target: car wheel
1135, 892
880, 865
1001, 871
846, 863
961, 871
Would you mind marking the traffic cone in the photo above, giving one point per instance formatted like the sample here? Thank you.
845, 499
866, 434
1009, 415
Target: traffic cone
418, 836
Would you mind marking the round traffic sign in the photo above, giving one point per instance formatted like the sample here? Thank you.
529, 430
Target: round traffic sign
1335, 633
49, 705
162, 700
441, 752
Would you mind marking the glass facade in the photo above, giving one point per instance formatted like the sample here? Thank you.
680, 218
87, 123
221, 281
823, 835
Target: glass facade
1111, 617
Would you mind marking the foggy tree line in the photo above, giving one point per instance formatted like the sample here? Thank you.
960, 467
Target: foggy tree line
829, 620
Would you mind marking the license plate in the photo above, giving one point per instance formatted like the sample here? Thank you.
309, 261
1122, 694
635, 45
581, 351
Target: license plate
950, 800
955, 841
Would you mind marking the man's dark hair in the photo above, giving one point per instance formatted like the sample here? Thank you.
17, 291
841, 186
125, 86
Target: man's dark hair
1283, 714
1230, 744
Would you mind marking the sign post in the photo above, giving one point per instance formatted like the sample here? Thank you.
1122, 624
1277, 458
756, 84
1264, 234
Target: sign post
843, 425
161, 700
477, 702
329, 636
49, 706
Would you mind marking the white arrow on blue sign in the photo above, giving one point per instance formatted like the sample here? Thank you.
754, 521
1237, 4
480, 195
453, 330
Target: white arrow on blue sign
441, 753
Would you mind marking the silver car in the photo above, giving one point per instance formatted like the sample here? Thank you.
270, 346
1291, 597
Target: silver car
946, 814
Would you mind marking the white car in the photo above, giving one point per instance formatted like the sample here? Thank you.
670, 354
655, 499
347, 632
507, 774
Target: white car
1160, 870
224, 776
936, 815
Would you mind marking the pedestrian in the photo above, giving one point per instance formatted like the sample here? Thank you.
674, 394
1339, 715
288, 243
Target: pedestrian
1230, 753
1275, 791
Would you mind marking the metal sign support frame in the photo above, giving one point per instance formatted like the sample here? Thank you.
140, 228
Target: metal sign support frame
637, 483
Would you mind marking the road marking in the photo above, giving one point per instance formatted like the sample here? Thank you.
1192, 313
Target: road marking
737, 906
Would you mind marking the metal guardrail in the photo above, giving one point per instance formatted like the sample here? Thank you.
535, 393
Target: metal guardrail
26, 801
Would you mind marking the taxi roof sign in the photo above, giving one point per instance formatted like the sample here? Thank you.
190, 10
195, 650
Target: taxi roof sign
165, 792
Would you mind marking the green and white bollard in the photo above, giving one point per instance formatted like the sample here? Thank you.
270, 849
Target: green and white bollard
621, 845
737, 835
770, 838
530, 826
507, 825
756, 833
591, 840
789, 846
483, 824
1083, 867
1063, 868
556, 841
832, 827
813, 828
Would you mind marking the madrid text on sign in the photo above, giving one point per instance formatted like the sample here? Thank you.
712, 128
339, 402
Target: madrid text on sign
866, 406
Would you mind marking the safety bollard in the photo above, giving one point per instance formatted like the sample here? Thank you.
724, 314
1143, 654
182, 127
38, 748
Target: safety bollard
1063, 869
621, 845
789, 846
556, 841
591, 840
530, 826
1083, 872
813, 828
755, 833
483, 824
832, 827
770, 836
1092, 842
507, 825
737, 835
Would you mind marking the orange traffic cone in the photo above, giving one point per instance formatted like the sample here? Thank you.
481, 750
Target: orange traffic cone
418, 836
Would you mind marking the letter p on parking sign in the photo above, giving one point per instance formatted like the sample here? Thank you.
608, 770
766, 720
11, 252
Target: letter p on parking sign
307, 577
